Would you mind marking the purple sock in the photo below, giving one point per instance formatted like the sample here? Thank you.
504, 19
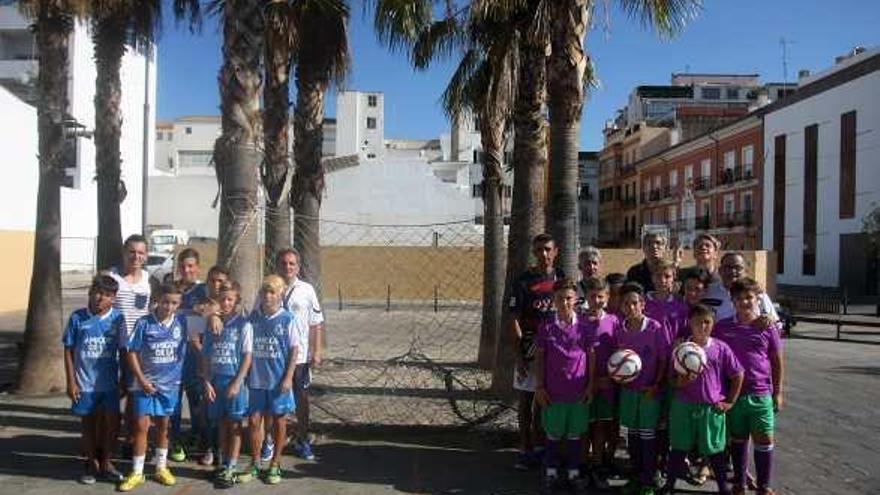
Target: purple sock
675, 468
633, 446
719, 467
738, 455
573, 453
764, 464
551, 454
649, 457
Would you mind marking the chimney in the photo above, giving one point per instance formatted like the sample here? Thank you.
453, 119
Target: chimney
803, 73
857, 50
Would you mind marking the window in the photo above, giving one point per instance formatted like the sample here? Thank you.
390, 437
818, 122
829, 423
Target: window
848, 165
729, 205
673, 178
689, 173
732, 93
372, 100
711, 93
657, 182
779, 201
729, 160
158, 136
673, 213
188, 130
811, 172
371, 122
748, 160
746, 201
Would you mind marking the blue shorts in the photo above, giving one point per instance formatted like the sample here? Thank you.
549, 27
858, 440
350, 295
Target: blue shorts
223, 408
271, 402
162, 403
302, 378
91, 402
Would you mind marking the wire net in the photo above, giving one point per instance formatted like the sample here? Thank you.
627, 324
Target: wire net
402, 308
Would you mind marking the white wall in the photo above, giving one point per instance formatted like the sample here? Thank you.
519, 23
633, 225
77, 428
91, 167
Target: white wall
352, 135
18, 189
862, 95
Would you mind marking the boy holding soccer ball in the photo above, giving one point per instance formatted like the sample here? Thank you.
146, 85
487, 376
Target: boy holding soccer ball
640, 401
759, 349
699, 404
564, 365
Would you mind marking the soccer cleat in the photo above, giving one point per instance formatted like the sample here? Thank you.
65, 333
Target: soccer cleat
87, 479
132, 481
267, 452
247, 475
549, 484
226, 478
163, 476
207, 459
580, 483
273, 475
647, 490
111, 474
303, 450
178, 453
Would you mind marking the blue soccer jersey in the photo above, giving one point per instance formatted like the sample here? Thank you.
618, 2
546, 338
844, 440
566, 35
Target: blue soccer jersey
274, 338
161, 348
95, 341
191, 297
226, 351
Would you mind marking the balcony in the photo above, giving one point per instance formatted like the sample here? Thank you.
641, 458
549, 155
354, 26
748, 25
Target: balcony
654, 195
702, 183
629, 202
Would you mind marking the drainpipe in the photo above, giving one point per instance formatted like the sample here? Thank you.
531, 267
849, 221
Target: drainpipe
146, 140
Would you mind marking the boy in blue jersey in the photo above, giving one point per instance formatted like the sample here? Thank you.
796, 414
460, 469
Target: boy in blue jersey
91, 363
154, 356
226, 359
276, 345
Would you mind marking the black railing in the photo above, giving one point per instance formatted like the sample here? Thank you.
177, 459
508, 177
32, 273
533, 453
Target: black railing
702, 183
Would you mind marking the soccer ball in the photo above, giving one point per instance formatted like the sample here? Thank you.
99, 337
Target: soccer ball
689, 358
624, 366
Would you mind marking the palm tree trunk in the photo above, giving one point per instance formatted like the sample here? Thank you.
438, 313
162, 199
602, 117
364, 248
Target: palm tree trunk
566, 69
529, 179
109, 39
308, 177
235, 151
492, 137
276, 126
41, 368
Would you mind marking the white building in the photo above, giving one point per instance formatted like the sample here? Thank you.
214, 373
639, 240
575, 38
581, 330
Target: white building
821, 176
18, 70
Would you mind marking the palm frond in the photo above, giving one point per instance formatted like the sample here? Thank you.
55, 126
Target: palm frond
398, 23
439, 41
320, 37
458, 95
667, 17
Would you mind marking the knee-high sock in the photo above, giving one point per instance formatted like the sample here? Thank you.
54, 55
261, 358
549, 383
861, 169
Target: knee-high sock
719, 467
573, 453
738, 452
649, 456
633, 445
764, 464
675, 468
551, 456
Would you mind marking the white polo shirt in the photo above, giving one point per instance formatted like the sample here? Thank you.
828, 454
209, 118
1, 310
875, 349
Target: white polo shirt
301, 300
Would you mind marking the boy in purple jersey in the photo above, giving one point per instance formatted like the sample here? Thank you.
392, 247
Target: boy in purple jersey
663, 305
599, 327
91, 363
615, 283
226, 360
697, 413
154, 355
531, 305
564, 365
640, 402
759, 350
276, 346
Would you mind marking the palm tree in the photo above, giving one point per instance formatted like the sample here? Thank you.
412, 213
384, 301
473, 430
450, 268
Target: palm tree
235, 151
41, 366
275, 171
115, 23
320, 52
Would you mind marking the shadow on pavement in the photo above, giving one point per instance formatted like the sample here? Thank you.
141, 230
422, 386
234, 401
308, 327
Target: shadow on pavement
858, 370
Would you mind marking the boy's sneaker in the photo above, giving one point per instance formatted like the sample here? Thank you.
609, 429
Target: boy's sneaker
163, 476
267, 452
178, 453
579, 483
549, 484
647, 490
247, 475
111, 474
273, 475
599, 479
132, 481
87, 478
207, 459
303, 450
225, 478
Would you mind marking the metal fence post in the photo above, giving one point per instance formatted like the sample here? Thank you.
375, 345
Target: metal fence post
436, 298
339, 295
845, 301
388, 299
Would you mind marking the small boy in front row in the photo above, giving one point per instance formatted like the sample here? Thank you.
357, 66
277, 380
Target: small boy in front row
154, 356
91, 363
271, 377
565, 362
226, 360
700, 403
758, 348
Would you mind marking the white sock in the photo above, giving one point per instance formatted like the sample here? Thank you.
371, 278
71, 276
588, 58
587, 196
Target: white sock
232, 463
138, 464
161, 458
551, 472
573, 473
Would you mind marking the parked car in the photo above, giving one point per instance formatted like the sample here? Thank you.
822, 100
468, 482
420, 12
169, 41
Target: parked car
160, 266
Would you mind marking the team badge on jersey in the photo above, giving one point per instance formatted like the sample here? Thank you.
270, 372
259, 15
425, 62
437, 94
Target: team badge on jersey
176, 332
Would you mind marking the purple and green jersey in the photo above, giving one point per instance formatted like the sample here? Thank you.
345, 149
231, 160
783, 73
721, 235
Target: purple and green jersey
566, 359
95, 341
752, 347
531, 302
161, 348
226, 351
672, 313
650, 343
274, 338
710, 386
601, 332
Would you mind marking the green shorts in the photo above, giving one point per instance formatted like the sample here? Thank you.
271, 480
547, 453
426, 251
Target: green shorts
565, 420
638, 411
698, 426
602, 409
751, 414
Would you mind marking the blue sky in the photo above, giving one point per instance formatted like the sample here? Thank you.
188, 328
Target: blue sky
739, 36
